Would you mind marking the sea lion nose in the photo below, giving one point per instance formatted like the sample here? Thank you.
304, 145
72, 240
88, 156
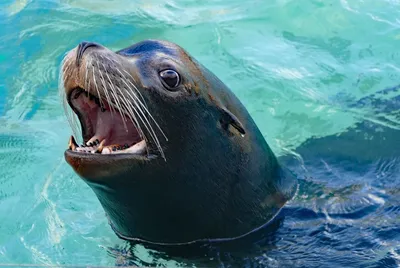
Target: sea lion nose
81, 49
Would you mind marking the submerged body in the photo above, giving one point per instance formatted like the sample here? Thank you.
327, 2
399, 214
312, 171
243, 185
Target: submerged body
170, 152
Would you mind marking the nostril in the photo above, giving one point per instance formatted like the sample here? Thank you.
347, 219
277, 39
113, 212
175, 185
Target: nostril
81, 49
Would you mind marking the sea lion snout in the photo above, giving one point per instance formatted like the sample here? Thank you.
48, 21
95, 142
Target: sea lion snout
82, 47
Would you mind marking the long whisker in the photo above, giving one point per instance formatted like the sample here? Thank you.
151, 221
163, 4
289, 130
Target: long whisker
121, 95
137, 108
147, 125
67, 64
86, 78
105, 91
71, 117
136, 89
144, 107
141, 116
87, 71
116, 99
154, 136
95, 85
131, 113
132, 116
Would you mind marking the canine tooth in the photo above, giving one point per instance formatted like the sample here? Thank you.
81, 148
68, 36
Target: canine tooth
101, 147
72, 143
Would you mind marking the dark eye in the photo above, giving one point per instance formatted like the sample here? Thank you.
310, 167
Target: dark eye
171, 78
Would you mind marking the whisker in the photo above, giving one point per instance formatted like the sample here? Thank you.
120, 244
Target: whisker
105, 91
66, 62
132, 115
133, 118
66, 69
137, 90
122, 95
137, 108
116, 99
145, 108
96, 87
128, 110
154, 136
86, 77
87, 71
141, 116
71, 117
148, 126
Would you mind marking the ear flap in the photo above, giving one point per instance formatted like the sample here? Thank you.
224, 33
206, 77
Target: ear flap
227, 118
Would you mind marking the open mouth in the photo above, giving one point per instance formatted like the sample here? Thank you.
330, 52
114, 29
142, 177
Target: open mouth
105, 130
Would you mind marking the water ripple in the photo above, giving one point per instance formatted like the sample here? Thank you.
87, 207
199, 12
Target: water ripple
319, 78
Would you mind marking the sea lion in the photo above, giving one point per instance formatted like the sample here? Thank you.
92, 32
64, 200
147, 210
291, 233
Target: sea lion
170, 152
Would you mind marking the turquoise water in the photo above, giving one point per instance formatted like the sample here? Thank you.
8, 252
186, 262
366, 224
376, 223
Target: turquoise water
307, 70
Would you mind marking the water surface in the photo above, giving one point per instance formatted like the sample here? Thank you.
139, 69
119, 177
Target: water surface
319, 77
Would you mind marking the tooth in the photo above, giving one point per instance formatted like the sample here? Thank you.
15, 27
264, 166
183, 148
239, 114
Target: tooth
138, 148
112, 148
100, 148
94, 141
106, 151
72, 143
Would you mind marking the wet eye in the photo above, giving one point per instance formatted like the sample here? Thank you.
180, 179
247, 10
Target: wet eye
170, 78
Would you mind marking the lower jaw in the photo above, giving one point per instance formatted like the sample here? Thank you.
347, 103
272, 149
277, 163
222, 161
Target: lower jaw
105, 168
97, 147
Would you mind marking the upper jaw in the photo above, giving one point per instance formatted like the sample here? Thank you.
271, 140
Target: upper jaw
104, 132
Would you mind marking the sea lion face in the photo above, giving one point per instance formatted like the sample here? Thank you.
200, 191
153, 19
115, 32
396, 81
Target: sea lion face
145, 105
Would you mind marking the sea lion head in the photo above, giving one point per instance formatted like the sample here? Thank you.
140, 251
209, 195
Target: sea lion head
146, 104
166, 144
